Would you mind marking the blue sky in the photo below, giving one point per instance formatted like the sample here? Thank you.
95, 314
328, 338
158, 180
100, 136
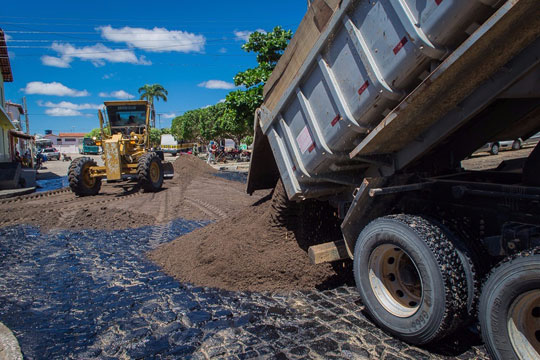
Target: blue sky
69, 57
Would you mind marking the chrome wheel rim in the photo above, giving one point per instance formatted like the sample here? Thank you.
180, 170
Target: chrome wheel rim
395, 280
524, 325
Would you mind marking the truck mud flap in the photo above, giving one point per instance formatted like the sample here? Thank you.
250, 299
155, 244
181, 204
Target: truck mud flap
263, 171
168, 170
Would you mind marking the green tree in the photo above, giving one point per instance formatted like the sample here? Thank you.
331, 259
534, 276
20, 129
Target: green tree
155, 137
200, 124
151, 92
186, 126
97, 133
237, 119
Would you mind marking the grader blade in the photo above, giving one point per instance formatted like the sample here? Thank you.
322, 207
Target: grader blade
168, 170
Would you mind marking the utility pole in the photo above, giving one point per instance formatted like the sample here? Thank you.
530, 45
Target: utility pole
26, 116
30, 142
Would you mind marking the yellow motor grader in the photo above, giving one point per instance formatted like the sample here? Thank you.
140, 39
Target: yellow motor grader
126, 151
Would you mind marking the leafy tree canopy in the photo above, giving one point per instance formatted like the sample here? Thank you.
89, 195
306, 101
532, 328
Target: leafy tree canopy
200, 124
234, 118
155, 137
97, 133
241, 104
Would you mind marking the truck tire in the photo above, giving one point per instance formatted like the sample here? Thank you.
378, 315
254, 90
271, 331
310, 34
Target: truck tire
284, 211
494, 150
469, 260
410, 278
509, 310
79, 178
516, 145
150, 172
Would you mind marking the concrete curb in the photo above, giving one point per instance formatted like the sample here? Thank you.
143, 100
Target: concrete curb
9, 346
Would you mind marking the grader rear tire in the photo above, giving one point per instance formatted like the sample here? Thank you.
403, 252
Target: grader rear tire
79, 178
150, 172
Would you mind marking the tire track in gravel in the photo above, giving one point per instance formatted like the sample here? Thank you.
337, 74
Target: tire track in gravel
44, 194
161, 227
207, 208
56, 204
80, 201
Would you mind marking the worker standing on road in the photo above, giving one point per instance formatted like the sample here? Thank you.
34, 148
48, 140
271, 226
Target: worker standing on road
211, 152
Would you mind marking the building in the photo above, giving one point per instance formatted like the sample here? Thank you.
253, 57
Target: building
50, 136
5, 122
20, 141
12, 140
70, 142
66, 142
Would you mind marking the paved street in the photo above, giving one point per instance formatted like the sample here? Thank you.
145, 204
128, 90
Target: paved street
93, 294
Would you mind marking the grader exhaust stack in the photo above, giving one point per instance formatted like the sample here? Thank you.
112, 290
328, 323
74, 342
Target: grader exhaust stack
125, 140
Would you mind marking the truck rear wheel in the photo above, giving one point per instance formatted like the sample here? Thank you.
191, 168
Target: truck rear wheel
410, 278
510, 308
150, 172
80, 181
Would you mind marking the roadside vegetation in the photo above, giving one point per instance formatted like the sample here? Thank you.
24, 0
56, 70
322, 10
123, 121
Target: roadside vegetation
232, 118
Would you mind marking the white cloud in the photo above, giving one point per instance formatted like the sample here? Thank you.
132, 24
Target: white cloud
244, 34
70, 105
108, 76
217, 84
222, 50
119, 94
169, 115
55, 61
7, 37
97, 54
53, 88
156, 39
62, 112
221, 101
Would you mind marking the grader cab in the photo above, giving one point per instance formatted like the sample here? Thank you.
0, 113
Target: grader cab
125, 139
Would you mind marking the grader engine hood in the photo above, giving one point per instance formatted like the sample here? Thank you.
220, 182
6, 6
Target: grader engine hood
111, 153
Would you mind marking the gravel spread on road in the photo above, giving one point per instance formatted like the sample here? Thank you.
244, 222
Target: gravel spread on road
255, 249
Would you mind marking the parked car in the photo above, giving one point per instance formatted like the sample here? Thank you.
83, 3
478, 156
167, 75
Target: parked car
51, 153
494, 147
533, 140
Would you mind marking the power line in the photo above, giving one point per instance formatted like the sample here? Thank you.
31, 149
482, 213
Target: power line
97, 40
153, 20
95, 24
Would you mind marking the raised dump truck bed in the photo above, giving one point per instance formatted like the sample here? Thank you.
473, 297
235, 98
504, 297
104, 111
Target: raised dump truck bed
358, 97
371, 109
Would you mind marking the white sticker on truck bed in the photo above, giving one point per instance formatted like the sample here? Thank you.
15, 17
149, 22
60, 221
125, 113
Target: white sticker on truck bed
304, 140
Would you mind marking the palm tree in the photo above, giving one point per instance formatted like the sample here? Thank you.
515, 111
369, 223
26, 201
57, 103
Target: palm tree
149, 92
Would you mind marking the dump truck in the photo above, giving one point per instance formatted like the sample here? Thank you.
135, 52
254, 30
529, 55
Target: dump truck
370, 110
127, 155
89, 146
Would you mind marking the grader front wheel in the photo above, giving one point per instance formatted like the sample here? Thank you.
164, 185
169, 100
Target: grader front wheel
150, 172
80, 181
